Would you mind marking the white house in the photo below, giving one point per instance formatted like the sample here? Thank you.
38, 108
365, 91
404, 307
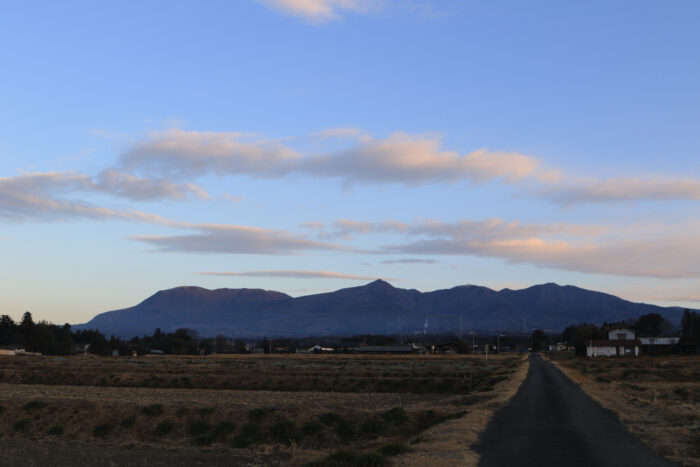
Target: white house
620, 343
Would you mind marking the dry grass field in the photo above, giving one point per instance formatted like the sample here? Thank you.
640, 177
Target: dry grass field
655, 397
260, 410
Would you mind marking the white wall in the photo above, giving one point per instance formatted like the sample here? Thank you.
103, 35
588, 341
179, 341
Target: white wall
629, 334
601, 351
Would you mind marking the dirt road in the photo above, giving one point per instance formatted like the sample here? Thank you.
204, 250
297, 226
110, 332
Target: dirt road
552, 422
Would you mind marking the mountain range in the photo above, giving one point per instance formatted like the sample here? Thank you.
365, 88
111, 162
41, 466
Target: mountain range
376, 308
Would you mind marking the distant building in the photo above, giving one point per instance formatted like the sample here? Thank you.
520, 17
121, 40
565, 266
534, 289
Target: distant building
320, 349
559, 347
348, 346
390, 349
660, 345
446, 348
620, 343
12, 350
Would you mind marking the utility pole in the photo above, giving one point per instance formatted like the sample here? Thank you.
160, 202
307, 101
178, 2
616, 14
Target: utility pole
498, 343
472, 333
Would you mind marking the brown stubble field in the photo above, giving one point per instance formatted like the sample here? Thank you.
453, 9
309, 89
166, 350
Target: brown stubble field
656, 397
262, 409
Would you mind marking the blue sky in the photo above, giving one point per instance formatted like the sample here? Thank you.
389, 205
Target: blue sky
310, 145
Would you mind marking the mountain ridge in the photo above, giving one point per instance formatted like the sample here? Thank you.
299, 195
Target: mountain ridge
377, 307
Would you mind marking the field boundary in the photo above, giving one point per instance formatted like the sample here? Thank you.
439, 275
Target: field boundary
451, 443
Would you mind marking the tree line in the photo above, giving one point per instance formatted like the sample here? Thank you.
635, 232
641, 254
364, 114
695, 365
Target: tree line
649, 325
51, 339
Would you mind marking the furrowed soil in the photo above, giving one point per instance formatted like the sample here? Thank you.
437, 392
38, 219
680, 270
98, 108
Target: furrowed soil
238, 410
655, 397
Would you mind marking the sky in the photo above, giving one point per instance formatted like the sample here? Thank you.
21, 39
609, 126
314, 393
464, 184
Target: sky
310, 145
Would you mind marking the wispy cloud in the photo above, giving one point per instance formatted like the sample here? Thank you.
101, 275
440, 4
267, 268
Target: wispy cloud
56, 195
36, 196
295, 274
319, 11
624, 189
572, 248
184, 154
629, 250
400, 158
409, 261
236, 239
129, 186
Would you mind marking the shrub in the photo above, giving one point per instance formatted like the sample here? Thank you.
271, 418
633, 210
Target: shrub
55, 431
338, 458
371, 459
223, 429
329, 418
128, 422
164, 428
198, 427
152, 410
2, 409
21, 425
682, 392
206, 411
204, 440
103, 430
311, 428
397, 416
344, 429
34, 406
349, 458
250, 434
182, 411
284, 431
394, 449
257, 415
373, 426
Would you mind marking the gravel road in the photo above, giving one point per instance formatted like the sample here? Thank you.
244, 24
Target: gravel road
552, 422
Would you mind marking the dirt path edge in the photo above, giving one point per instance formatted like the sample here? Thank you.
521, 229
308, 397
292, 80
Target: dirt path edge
450, 443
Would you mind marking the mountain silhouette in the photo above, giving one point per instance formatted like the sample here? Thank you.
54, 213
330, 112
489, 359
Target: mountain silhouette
377, 308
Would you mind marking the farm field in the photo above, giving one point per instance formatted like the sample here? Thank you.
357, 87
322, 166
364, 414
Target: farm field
657, 398
258, 410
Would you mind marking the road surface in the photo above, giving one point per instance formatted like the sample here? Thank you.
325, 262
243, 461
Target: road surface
552, 422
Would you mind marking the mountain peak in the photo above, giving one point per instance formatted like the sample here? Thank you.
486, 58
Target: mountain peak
380, 283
